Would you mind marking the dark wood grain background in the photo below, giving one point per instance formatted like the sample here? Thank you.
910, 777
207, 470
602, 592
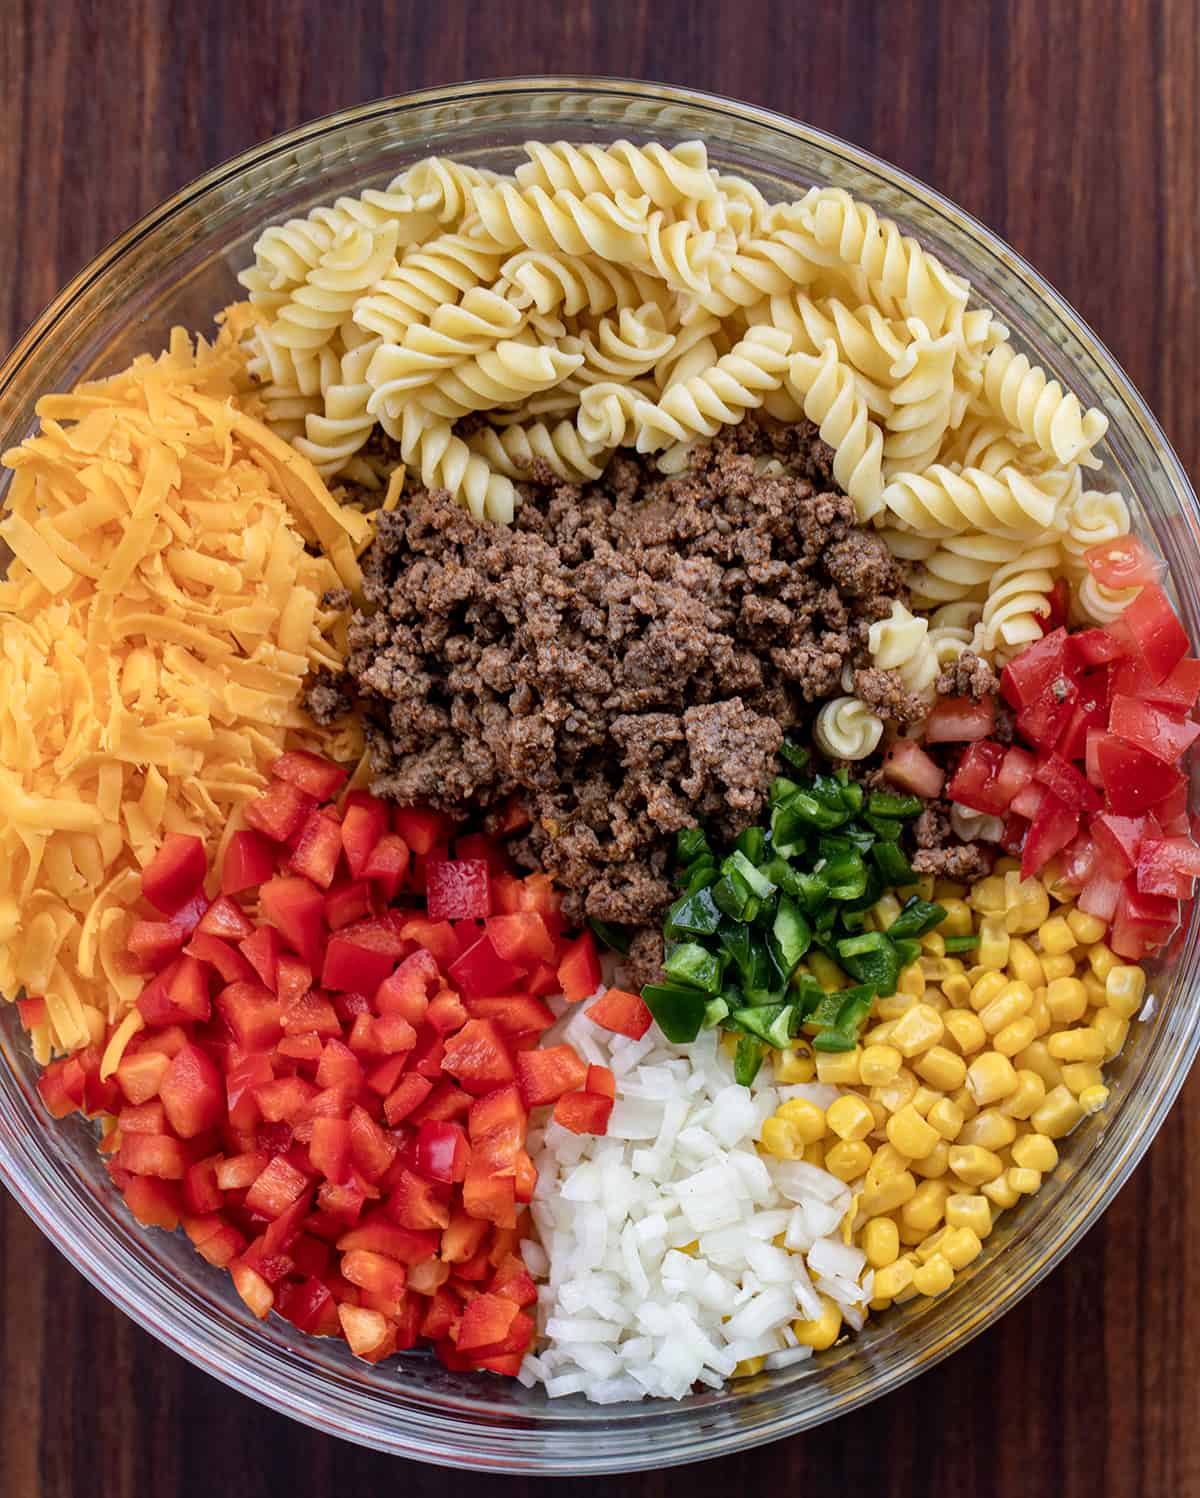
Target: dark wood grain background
1070, 126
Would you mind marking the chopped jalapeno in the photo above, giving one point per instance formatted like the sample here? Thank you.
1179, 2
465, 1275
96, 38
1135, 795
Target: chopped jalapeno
694, 965
918, 917
961, 943
747, 1060
678, 1012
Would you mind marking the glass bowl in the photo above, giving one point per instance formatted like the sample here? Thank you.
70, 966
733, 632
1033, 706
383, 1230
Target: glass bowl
178, 266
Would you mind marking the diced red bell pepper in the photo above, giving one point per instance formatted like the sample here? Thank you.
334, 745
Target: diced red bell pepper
410, 1093
61, 1087
347, 903
1045, 720
388, 864
152, 1155
421, 828
446, 1012
622, 1012
1068, 784
402, 1245
225, 919
514, 1014
417, 1203
485, 1323
490, 1196
249, 860
514, 1282
364, 822
426, 1059
463, 1238
319, 849
312, 773
525, 1177
1150, 728
543, 1076
583, 1112
406, 991
521, 937
442, 1316
308, 1305
155, 1203
213, 1238
480, 973
437, 938
253, 1014
284, 1100
341, 1205
152, 944
339, 1067
374, 1272
908, 766
1051, 830
579, 969
1166, 863
312, 1013
139, 1075
143, 1118
370, 1148
175, 873
442, 1151
1160, 638
601, 1080
1142, 922
262, 949
296, 906
1123, 562
1134, 780
280, 812
353, 964
478, 1057
228, 961
975, 783
293, 978
192, 1092
458, 889
329, 1148
32, 1011
369, 1334
956, 720
276, 1189
200, 1190
446, 1101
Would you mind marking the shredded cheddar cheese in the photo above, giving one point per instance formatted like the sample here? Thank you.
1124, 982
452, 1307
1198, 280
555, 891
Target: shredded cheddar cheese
162, 609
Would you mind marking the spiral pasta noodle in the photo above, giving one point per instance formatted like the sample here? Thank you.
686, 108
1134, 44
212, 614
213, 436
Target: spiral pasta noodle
1018, 598
356, 260
562, 448
960, 567
921, 402
827, 391
428, 277
699, 407
900, 643
846, 728
666, 177
551, 281
1093, 519
1040, 409
614, 228
333, 435
621, 348
444, 461
1010, 503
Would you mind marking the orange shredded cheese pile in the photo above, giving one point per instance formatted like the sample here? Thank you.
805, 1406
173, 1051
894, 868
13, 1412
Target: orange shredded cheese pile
158, 619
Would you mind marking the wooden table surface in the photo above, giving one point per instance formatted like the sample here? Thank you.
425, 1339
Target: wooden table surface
1073, 129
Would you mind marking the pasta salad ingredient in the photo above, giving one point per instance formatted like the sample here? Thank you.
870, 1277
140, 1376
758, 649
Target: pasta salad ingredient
158, 619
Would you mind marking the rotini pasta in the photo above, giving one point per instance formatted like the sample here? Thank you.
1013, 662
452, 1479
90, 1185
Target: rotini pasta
513, 370
1040, 409
622, 348
921, 401
1018, 598
960, 568
900, 643
612, 227
940, 502
666, 177
1094, 518
444, 461
975, 826
550, 281
332, 436
827, 390
454, 332
428, 277
357, 259
699, 407
562, 449
846, 728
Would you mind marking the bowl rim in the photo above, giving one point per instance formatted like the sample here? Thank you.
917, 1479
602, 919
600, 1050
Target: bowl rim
446, 1446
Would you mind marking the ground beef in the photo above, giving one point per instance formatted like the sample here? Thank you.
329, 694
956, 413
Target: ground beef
887, 694
624, 659
940, 851
329, 697
968, 676
644, 963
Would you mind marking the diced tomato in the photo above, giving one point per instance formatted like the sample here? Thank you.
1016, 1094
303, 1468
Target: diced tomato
1100, 895
1040, 667
152, 1155
1160, 638
152, 944
1134, 780
975, 783
583, 1112
313, 774
319, 849
1164, 736
579, 969
1044, 721
192, 1093
175, 873
955, 720
1124, 562
1068, 784
226, 919
409, 1093
280, 812
229, 963
1117, 841
514, 1014
543, 1076
1085, 714
253, 1014
908, 766
347, 903
1097, 647
353, 964
442, 1151
416, 1203
480, 973
1142, 922
622, 1012
1051, 830
387, 864
422, 829
296, 906
249, 860
1166, 863
1179, 691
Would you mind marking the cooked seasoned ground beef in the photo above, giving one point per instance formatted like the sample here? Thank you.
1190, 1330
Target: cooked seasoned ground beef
968, 676
939, 850
624, 658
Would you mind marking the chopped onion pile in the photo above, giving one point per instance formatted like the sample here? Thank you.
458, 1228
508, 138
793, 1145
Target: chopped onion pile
660, 1241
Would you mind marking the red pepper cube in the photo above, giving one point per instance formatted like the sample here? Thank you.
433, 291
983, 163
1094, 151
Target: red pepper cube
497, 1125
151, 945
583, 1112
253, 1014
480, 973
388, 864
364, 822
276, 1189
543, 1076
249, 860
227, 961
370, 1148
436, 937
579, 969
381, 1236
446, 1012
311, 773
417, 1203
296, 907
319, 849
374, 1272
458, 889
284, 1100
485, 1323
201, 1193
347, 903
152, 1155
463, 1238
192, 1092
262, 951
410, 1092
351, 964
478, 1057
406, 992
514, 1015
522, 938
280, 812
621, 1012
225, 919
601, 1080
155, 1203
513, 1280
175, 873
329, 1148
421, 828
139, 1076
489, 1196
442, 1151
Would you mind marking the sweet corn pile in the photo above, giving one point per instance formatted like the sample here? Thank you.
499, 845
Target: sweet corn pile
964, 1079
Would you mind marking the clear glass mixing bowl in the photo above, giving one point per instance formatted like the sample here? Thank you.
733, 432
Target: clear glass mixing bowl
178, 266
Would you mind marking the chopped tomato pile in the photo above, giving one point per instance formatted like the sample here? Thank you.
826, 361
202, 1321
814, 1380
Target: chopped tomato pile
332, 1085
1106, 716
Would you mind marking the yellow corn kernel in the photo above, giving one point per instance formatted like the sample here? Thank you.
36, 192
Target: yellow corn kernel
1058, 1115
825, 970
885, 910
823, 1332
965, 1210
895, 1094
957, 990
1015, 1036
1038, 1059
1124, 989
1023, 1179
987, 895
1035, 1152
1013, 1000
964, 1102
948, 889
1086, 929
1112, 1030
895, 1006
912, 980
1039, 1013
938, 969
849, 1117
992, 951
923, 1099
839, 1068
1024, 963
888, 1195
805, 1116
973, 1165
917, 1030
1102, 959
887, 1161
881, 1242
965, 1030
1094, 988
814, 1154
1027, 904
1056, 967
879, 1034
847, 1159
892, 1279
878, 1064
1030, 1094
782, 1140
1067, 1000
934, 1278
1080, 1074
923, 887
983, 992
935, 1164
1054, 884
1056, 936
991, 1077
925, 1207
879, 1113
1001, 1193
908, 1132
946, 1117
960, 1246
990, 1128
932, 1244
1092, 1099
796, 1064
748, 1367
941, 1068
958, 920
934, 943
1084, 1044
